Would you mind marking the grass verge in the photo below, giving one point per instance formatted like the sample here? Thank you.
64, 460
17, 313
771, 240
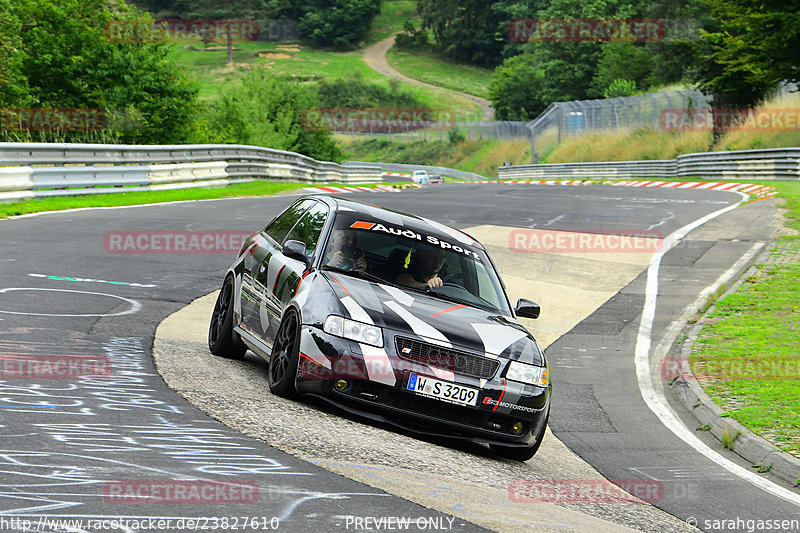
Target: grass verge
255, 188
437, 70
747, 357
391, 19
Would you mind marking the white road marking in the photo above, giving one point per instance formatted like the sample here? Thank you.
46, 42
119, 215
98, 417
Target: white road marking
135, 306
651, 394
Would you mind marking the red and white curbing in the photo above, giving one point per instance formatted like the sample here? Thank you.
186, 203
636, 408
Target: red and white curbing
378, 188
397, 174
761, 191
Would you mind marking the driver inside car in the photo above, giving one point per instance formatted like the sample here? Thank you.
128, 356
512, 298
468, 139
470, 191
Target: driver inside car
343, 253
423, 269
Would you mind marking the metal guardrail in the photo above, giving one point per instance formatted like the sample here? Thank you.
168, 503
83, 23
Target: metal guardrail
48, 169
768, 164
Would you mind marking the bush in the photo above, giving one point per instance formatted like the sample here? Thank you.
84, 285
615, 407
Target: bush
355, 91
516, 89
337, 23
268, 111
620, 87
456, 136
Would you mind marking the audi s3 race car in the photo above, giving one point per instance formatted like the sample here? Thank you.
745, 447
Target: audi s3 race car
390, 316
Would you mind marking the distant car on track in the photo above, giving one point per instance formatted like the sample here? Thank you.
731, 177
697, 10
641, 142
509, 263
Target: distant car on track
390, 316
435, 178
419, 176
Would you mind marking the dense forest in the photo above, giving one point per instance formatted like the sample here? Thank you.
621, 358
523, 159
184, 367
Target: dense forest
57, 54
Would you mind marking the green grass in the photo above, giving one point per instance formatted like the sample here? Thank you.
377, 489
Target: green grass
391, 19
437, 70
211, 71
255, 188
748, 353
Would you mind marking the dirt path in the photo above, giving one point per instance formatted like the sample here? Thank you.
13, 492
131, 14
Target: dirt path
375, 58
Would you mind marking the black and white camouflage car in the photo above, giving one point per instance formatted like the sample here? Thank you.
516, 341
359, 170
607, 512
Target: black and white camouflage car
333, 294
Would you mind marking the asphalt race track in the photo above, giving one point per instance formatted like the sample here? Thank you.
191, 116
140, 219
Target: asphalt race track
72, 445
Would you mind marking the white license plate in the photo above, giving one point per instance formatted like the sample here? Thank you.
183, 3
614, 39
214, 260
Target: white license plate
442, 390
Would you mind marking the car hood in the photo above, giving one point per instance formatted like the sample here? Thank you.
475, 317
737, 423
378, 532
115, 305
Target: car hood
415, 314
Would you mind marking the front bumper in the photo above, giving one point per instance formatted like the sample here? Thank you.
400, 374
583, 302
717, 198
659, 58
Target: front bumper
500, 403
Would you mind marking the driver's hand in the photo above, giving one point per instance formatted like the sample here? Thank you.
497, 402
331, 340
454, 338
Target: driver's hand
361, 263
337, 259
434, 282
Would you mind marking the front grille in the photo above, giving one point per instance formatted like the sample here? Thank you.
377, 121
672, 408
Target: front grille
463, 363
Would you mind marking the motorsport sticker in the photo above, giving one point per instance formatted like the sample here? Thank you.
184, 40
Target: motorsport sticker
492, 401
409, 234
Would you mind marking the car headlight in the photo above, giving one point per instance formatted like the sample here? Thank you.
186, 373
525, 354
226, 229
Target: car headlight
356, 331
524, 373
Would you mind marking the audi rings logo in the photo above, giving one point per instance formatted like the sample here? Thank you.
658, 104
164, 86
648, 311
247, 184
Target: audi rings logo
445, 360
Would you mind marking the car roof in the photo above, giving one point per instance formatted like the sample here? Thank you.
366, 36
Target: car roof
337, 203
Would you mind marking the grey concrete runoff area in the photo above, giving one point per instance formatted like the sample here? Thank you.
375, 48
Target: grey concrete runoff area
68, 444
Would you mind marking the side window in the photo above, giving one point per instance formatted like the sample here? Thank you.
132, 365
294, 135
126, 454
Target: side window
309, 228
281, 225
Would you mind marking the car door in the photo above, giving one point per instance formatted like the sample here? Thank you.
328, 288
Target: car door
253, 307
278, 275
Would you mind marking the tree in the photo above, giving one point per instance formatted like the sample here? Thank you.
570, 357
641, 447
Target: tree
516, 89
570, 66
464, 30
732, 85
757, 40
69, 62
13, 84
338, 23
269, 111
623, 60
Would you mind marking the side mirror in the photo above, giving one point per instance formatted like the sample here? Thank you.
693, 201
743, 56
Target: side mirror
527, 309
296, 250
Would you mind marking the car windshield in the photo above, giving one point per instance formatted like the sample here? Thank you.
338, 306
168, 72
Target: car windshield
406, 256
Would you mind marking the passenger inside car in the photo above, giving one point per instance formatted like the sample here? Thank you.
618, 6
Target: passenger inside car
343, 252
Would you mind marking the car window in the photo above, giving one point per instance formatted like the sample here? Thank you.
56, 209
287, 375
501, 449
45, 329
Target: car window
279, 227
309, 228
390, 250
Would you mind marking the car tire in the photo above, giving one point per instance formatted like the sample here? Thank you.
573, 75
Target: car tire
222, 340
285, 356
522, 454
